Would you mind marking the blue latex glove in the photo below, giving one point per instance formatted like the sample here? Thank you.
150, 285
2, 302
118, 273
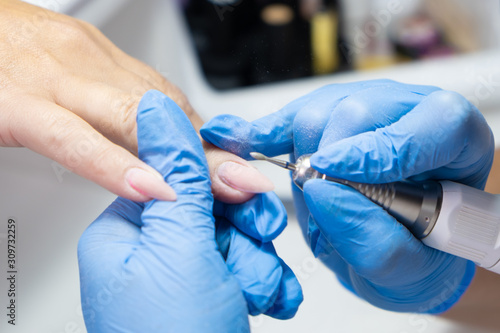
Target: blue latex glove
374, 132
156, 267
244, 235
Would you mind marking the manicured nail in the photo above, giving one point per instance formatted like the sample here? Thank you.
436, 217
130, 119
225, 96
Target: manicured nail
244, 178
150, 184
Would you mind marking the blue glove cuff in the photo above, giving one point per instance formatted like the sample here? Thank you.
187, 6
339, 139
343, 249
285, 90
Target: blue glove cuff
459, 290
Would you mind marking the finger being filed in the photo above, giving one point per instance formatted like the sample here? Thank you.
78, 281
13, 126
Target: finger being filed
64, 137
434, 134
234, 180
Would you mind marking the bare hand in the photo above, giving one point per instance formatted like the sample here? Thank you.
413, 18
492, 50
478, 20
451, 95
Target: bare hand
68, 93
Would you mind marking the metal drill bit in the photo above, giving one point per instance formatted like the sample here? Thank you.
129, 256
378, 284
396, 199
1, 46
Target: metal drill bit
280, 163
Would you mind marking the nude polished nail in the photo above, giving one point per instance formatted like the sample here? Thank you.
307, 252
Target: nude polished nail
150, 184
244, 178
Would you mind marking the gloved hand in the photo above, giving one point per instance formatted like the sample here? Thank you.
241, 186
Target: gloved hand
156, 266
373, 132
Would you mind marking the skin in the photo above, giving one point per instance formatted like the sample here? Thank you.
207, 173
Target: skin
67, 92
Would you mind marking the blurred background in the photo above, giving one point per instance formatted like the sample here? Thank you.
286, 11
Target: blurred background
248, 57
246, 43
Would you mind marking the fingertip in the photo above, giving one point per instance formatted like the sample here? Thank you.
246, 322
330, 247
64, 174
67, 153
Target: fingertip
319, 161
150, 100
244, 177
259, 274
266, 213
150, 185
365, 158
343, 159
289, 297
219, 131
262, 218
275, 219
234, 180
271, 135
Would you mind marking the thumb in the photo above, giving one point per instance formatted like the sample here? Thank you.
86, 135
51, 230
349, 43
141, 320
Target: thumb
178, 238
168, 142
362, 233
166, 138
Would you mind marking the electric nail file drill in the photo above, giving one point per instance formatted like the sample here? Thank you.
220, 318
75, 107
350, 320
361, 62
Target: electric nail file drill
448, 216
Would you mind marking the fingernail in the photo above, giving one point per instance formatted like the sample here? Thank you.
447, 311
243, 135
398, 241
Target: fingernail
150, 184
244, 178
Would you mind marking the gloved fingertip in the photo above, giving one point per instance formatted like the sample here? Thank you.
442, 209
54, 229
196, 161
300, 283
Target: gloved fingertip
272, 217
319, 160
209, 131
150, 100
263, 217
269, 232
261, 295
328, 160
220, 132
271, 135
257, 269
289, 297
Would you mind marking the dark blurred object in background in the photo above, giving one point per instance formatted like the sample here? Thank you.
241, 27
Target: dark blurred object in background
249, 42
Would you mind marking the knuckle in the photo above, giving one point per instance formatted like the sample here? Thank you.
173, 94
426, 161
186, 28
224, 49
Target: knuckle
456, 110
71, 32
125, 114
311, 116
447, 98
177, 96
87, 27
355, 109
